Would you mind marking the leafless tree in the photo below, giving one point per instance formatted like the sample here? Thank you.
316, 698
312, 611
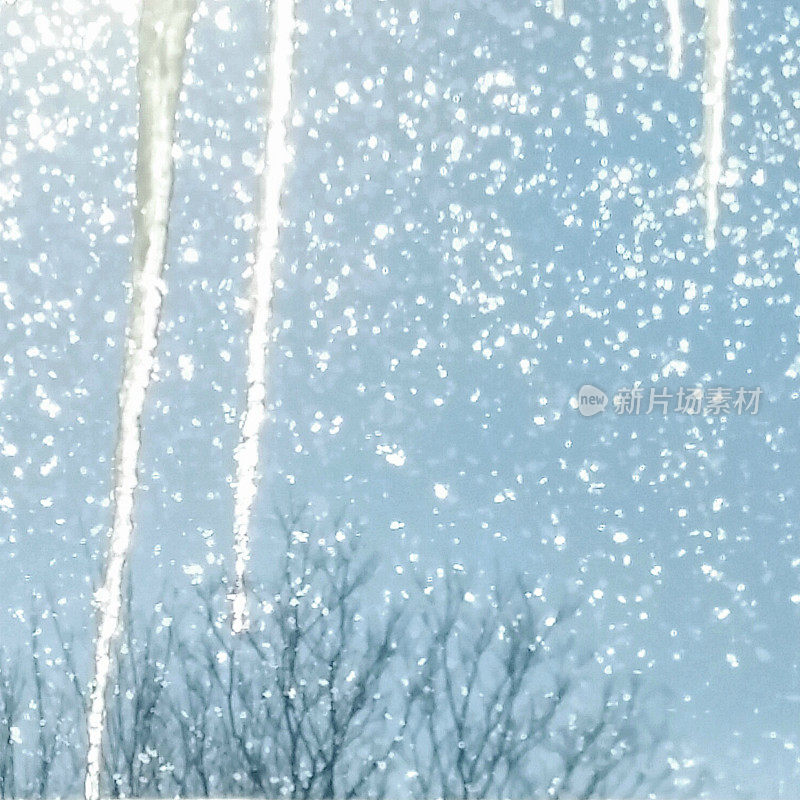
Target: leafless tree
308, 697
11, 693
507, 704
340, 689
137, 747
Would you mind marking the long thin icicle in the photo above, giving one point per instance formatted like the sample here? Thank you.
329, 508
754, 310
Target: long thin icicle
718, 51
558, 9
162, 44
276, 158
675, 38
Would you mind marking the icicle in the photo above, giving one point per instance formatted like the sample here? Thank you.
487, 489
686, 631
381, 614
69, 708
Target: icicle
162, 43
558, 9
276, 157
675, 38
718, 47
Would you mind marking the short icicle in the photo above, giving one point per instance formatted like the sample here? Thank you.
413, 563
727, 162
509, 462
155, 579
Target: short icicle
675, 38
718, 51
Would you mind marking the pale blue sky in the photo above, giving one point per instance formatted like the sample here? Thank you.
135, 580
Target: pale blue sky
486, 210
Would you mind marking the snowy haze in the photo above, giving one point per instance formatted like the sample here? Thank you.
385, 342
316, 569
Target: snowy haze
488, 207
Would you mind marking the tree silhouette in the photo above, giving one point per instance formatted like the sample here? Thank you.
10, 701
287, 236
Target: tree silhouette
339, 690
